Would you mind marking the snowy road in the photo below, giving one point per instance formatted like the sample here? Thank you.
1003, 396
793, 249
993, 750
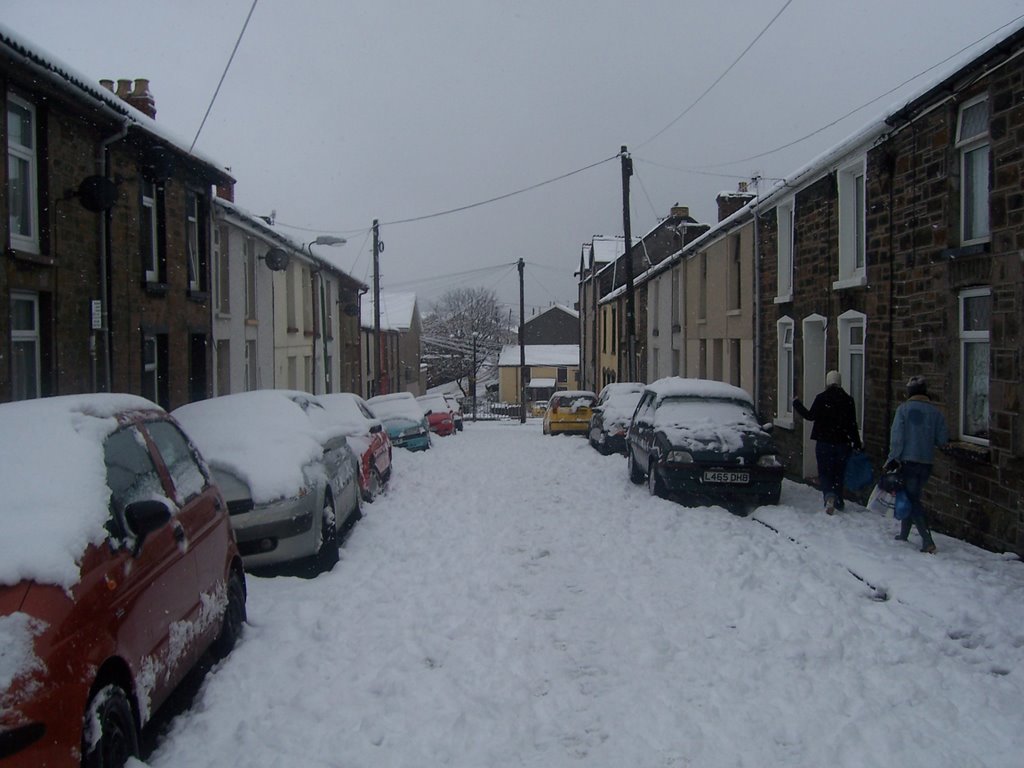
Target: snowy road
515, 601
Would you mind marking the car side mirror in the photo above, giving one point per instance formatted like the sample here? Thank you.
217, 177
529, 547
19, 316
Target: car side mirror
375, 428
146, 517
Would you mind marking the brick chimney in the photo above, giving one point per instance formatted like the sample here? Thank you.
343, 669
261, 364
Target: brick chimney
679, 211
138, 95
226, 191
730, 202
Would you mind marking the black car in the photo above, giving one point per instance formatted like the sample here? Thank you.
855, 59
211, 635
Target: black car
701, 442
612, 414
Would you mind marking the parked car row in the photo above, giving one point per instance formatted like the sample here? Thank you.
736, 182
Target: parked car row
696, 440
127, 533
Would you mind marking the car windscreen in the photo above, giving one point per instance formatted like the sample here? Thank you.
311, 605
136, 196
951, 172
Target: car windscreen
689, 411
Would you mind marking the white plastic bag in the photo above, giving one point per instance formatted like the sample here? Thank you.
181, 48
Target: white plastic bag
881, 502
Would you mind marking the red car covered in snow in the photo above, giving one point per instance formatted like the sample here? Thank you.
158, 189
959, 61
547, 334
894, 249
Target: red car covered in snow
366, 437
440, 416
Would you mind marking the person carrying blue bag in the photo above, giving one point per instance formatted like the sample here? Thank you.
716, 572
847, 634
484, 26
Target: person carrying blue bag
835, 433
918, 428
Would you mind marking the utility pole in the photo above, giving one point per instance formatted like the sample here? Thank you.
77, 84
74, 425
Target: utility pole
627, 171
377, 348
522, 347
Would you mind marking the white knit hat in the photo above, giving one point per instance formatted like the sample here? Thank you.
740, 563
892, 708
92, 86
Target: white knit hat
833, 379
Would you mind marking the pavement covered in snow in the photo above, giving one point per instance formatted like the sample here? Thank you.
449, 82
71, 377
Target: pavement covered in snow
515, 601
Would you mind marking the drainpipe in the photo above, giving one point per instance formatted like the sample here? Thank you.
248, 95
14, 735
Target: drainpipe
757, 295
103, 168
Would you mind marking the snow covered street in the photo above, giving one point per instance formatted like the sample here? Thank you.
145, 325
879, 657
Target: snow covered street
515, 601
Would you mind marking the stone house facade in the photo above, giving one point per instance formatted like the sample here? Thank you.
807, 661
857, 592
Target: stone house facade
104, 282
899, 254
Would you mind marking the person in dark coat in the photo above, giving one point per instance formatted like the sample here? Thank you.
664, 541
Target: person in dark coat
835, 434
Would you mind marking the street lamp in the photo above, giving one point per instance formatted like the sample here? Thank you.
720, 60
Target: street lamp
323, 240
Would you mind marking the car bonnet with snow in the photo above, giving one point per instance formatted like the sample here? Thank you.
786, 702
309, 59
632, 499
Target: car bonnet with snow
116, 553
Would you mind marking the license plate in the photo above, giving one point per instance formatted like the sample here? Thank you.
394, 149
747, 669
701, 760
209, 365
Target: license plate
725, 476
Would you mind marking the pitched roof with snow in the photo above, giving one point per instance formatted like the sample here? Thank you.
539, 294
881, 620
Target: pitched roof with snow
396, 311
557, 355
79, 86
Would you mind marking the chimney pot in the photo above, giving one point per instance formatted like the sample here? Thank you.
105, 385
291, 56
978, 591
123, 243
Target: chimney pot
124, 88
108, 84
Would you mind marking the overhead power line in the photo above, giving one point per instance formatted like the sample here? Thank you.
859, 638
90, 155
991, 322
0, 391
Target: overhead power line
224, 74
719, 79
865, 104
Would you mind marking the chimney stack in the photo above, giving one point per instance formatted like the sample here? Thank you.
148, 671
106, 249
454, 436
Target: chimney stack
226, 191
679, 211
138, 96
730, 202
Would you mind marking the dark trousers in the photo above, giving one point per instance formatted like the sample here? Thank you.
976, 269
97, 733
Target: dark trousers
832, 458
914, 476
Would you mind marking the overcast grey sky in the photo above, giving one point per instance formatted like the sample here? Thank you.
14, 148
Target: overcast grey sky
335, 112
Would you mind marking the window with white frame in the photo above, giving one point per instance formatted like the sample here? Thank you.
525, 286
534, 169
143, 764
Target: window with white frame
223, 351
149, 229
975, 321
249, 250
22, 178
307, 301
785, 223
222, 256
26, 367
785, 374
852, 335
151, 368
251, 366
735, 272
972, 141
702, 309
194, 243
655, 308
676, 303
289, 296
852, 236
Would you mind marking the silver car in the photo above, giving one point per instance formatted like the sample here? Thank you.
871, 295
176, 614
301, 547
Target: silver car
290, 480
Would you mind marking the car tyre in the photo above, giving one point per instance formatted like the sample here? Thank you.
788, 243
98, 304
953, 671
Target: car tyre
110, 710
327, 553
635, 475
374, 487
655, 484
234, 618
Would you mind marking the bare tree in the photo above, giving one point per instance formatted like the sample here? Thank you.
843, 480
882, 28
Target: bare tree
463, 318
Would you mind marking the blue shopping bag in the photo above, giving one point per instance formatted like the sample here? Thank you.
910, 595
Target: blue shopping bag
903, 507
858, 471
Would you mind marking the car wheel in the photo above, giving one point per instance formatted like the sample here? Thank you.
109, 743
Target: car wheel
545, 430
327, 553
110, 713
234, 618
635, 475
374, 487
654, 483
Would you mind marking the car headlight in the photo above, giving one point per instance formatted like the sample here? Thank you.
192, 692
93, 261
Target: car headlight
770, 460
679, 457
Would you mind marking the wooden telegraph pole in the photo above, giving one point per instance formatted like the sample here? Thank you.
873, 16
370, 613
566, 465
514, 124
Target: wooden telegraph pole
522, 347
627, 171
378, 348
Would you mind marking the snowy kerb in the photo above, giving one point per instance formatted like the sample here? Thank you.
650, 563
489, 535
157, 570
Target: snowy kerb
515, 601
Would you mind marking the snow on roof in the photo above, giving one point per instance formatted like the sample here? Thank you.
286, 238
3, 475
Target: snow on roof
396, 311
80, 85
879, 126
541, 383
560, 307
48, 525
263, 437
676, 386
541, 354
260, 225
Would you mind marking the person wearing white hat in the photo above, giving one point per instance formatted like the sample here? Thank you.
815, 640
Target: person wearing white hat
835, 434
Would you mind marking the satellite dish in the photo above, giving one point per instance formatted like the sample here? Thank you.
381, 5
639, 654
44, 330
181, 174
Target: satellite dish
97, 193
277, 259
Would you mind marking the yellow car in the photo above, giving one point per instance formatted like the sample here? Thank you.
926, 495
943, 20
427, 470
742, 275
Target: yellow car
569, 411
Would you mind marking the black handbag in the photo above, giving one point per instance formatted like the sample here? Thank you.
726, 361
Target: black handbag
891, 481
